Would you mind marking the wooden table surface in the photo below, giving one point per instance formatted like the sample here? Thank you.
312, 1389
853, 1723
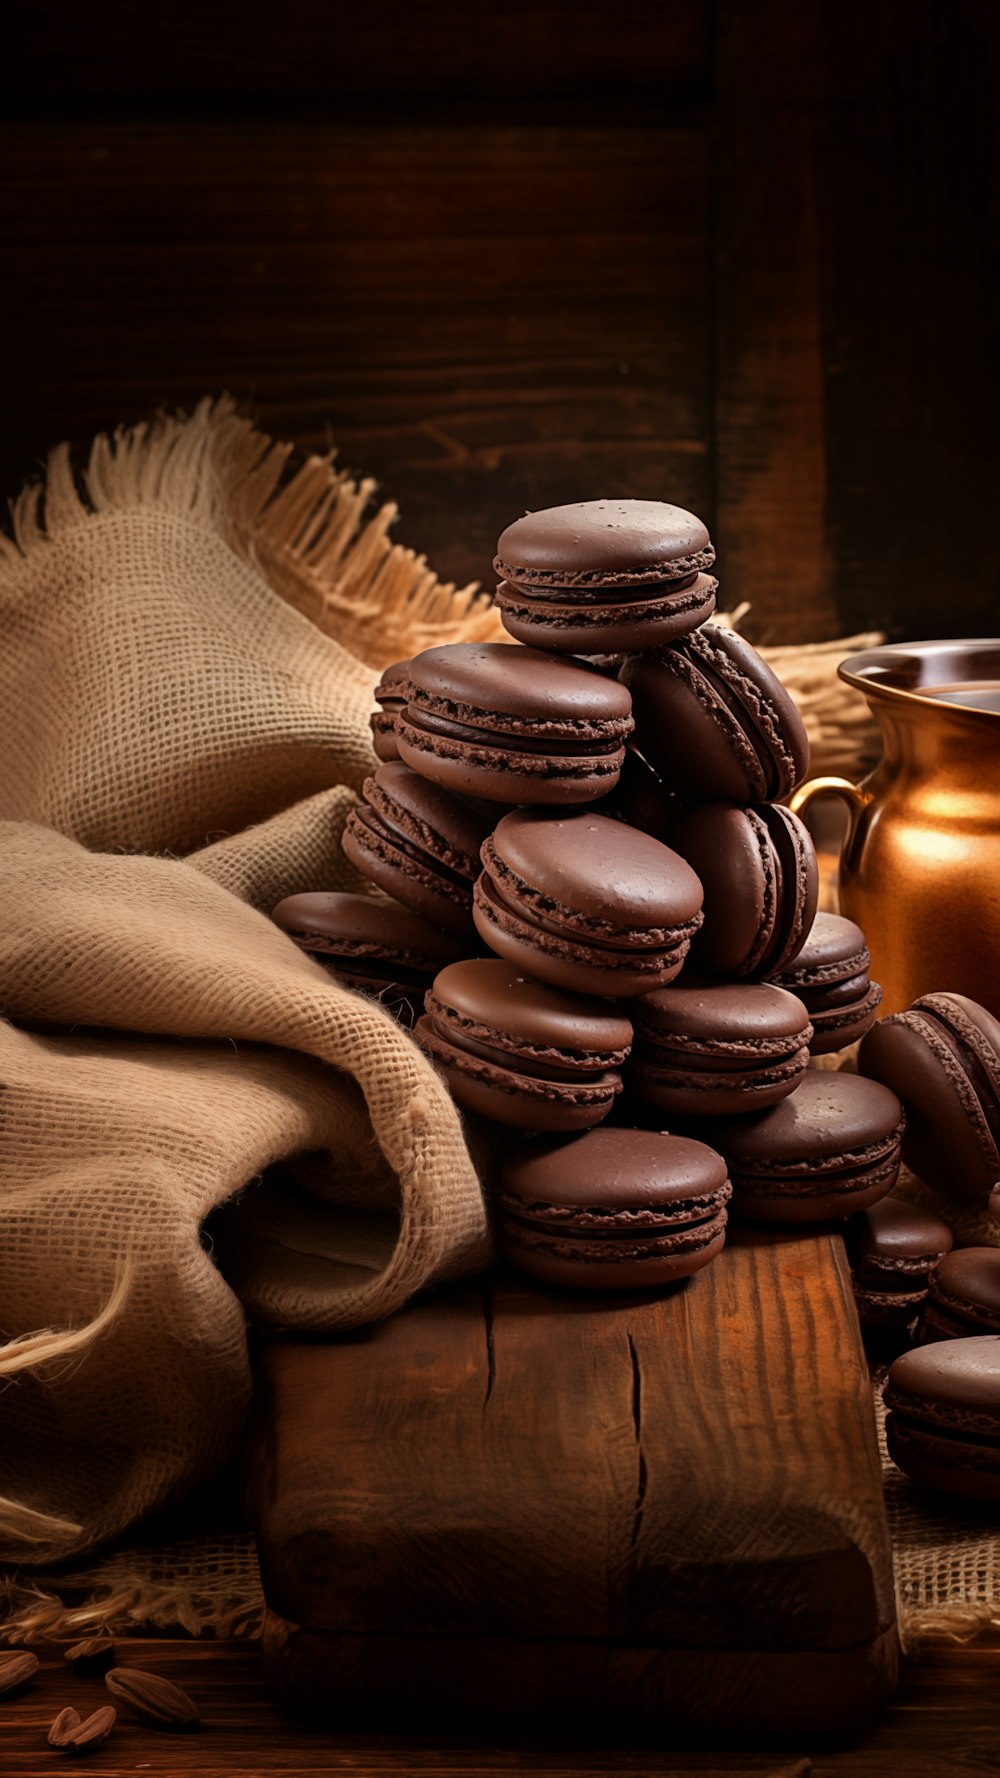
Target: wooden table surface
944, 1723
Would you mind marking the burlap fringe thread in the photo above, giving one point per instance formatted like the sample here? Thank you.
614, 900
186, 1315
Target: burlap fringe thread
313, 536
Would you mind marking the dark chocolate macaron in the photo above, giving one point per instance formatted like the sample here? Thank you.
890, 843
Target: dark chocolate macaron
893, 1248
602, 576
418, 843
717, 1049
612, 1209
943, 1424
759, 874
831, 1148
371, 944
714, 720
830, 977
513, 725
586, 903
521, 1052
964, 1295
390, 696
942, 1057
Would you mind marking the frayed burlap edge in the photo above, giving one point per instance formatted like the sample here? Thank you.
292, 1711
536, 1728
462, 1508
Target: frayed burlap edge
311, 531
202, 1585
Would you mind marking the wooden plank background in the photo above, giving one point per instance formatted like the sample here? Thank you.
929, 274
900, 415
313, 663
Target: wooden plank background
738, 256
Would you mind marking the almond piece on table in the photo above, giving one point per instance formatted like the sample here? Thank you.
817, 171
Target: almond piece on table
17, 1666
153, 1698
94, 1655
74, 1735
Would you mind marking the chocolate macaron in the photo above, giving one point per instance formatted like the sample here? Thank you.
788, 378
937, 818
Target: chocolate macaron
893, 1248
604, 576
585, 902
943, 1424
521, 1052
942, 1057
717, 1049
758, 870
830, 1149
371, 944
715, 722
390, 696
830, 977
513, 725
612, 1209
964, 1295
418, 843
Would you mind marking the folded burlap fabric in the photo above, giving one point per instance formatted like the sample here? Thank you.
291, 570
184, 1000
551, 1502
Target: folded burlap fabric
181, 743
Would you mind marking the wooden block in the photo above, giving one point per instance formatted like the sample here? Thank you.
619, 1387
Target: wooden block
511, 1501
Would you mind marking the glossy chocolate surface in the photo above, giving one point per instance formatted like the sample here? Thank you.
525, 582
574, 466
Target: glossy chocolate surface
338, 924
648, 1178
593, 875
603, 543
758, 870
715, 721
831, 1121
895, 1242
489, 998
942, 1057
480, 682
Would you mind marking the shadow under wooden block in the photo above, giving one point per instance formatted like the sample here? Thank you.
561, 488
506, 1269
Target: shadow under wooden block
506, 1502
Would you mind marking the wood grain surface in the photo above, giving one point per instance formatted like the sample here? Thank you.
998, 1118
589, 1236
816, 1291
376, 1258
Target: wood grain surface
943, 1723
739, 258
518, 1500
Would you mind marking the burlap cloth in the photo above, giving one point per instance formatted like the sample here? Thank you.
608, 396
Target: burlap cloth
188, 644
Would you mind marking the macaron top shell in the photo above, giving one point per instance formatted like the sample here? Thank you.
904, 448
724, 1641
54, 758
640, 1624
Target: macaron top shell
492, 996
827, 1120
834, 951
635, 1173
604, 543
743, 1018
970, 1276
592, 874
478, 682
339, 924
894, 1237
953, 1384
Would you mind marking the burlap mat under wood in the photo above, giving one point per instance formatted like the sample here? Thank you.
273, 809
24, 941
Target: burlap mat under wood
183, 727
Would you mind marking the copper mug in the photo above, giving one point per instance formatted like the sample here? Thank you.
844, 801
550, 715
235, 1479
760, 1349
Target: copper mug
920, 864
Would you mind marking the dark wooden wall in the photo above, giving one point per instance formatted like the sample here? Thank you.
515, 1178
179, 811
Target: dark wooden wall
739, 256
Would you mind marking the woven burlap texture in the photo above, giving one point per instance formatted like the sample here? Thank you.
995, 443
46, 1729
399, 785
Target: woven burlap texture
181, 742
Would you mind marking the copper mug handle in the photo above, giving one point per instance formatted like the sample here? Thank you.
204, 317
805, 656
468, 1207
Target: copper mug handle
855, 796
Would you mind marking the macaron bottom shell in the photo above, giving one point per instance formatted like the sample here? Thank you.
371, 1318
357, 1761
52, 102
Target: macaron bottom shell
949, 1463
610, 1262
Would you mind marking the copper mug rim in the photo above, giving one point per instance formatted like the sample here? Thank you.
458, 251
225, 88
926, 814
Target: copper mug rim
905, 671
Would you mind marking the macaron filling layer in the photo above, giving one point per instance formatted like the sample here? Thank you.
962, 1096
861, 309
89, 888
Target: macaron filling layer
646, 574
471, 721
837, 1172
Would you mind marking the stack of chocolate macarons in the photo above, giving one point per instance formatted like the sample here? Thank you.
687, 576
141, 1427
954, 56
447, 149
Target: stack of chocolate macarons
590, 817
